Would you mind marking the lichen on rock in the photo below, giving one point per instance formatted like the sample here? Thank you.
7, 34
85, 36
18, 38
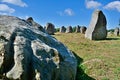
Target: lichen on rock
27, 52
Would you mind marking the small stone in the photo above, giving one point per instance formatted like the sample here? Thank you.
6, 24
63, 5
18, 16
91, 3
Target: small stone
69, 29
50, 28
116, 31
77, 29
83, 29
62, 29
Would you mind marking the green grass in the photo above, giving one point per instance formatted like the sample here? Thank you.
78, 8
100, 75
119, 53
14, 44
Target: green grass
100, 59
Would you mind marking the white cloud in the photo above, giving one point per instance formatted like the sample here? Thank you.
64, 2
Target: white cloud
66, 12
5, 9
91, 4
24, 17
115, 5
16, 2
69, 12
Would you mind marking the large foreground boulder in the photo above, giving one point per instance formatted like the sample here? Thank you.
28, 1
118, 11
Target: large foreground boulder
28, 53
97, 28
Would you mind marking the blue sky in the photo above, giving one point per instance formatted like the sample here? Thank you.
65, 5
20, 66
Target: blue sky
62, 12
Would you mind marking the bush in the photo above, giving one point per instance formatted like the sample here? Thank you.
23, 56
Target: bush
57, 29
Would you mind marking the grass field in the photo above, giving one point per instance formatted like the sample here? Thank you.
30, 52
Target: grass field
97, 60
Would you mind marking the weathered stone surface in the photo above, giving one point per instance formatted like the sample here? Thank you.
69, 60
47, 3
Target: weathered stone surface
50, 28
83, 29
27, 53
77, 29
69, 29
62, 29
97, 28
116, 31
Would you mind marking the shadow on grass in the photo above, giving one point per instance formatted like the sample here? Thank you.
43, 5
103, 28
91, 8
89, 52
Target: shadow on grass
112, 38
108, 39
81, 75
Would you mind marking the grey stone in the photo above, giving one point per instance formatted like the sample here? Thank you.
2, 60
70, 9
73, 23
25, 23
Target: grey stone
83, 29
97, 28
116, 31
110, 33
26, 53
50, 28
77, 29
62, 29
69, 29
119, 31
31, 22
30, 19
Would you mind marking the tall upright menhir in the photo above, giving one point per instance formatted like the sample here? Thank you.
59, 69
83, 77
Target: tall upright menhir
97, 28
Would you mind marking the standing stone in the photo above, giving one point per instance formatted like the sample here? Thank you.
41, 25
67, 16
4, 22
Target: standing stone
69, 29
83, 29
50, 28
62, 29
97, 28
77, 29
116, 31
30, 19
31, 22
119, 31
110, 33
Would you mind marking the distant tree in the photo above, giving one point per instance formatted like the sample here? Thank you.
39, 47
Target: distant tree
57, 29
74, 28
110, 30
